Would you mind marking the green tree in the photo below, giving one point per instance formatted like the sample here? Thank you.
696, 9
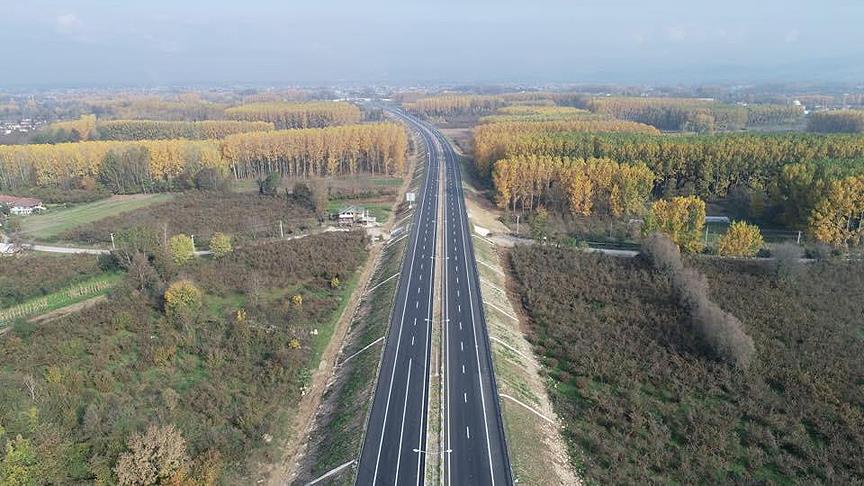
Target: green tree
220, 245
19, 466
181, 248
270, 184
208, 179
540, 224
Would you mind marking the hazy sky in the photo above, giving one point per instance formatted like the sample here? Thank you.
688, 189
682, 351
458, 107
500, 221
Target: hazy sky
171, 42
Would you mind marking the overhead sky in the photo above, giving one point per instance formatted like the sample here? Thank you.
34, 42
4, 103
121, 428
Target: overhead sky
174, 42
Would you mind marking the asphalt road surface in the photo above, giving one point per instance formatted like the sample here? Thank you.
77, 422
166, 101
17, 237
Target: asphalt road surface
475, 449
394, 448
395, 442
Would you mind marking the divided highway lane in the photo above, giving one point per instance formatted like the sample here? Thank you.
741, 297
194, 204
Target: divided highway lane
476, 451
393, 450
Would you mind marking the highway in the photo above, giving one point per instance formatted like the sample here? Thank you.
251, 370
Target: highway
474, 444
394, 446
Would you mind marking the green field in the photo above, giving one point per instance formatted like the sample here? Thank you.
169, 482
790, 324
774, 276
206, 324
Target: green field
380, 210
71, 295
48, 225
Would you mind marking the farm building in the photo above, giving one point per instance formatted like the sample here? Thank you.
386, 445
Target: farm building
21, 205
355, 215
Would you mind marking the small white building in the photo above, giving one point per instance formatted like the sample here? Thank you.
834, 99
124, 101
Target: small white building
355, 215
21, 205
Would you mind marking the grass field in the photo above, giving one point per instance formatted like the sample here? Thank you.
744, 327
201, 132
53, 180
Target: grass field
48, 225
380, 210
71, 295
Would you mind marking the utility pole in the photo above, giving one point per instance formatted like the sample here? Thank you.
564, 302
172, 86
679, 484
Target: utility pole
281, 231
193, 243
113, 247
517, 225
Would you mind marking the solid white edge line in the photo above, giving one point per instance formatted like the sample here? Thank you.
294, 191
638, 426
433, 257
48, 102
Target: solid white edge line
465, 237
398, 340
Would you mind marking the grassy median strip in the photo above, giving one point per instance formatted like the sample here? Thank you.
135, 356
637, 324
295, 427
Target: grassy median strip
70, 295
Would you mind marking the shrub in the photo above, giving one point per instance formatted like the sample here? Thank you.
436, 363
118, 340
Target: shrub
220, 245
335, 283
645, 406
182, 298
741, 239
270, 184
153, 457
181, 248
720, 330
297, 300
208, 179
787, 260
201, 213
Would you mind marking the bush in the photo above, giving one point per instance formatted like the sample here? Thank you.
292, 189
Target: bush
741, 239
270, 185
719, 329
787, 260
209, 179
182, 298
220, 245
31, 275
109, 385
153, 457
645, 406
181, 248
201, 213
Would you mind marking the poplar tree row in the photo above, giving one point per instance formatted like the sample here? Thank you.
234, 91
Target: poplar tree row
143, 165
706, 165
841, 121
469, 104
581, 186
88, 128
376, 148
493, 141
51, 165
694, 114
297, 115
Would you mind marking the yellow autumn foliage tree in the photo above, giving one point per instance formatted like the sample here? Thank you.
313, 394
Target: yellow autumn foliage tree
590, 186
741, 239
682, 219
182, 298
838, 218
297, 115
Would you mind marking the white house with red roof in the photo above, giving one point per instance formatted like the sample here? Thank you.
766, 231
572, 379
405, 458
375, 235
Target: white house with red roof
21, 205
